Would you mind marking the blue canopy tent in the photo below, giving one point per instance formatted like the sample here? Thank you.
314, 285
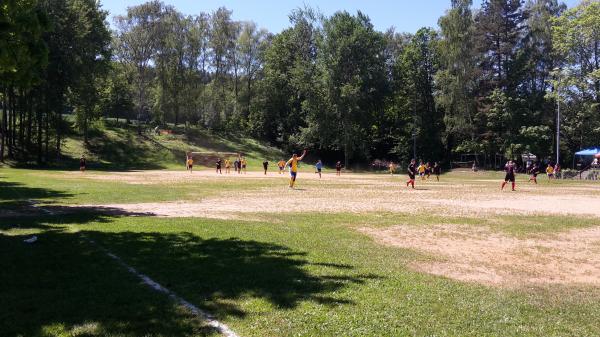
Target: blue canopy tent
592, 151
586, 157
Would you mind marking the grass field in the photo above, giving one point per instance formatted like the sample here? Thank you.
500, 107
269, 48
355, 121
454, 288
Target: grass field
356, 255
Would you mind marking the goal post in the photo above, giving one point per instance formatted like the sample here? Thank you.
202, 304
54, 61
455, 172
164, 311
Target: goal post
210, 158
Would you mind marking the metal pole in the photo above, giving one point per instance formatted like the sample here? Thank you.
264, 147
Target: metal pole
558, 124
415, 126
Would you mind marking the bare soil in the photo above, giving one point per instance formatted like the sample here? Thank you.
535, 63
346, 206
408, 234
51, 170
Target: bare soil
360, 193
475, 254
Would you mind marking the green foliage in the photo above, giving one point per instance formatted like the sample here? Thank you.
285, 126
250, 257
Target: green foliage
484, 82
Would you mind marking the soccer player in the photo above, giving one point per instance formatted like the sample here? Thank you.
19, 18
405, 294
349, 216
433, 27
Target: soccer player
319, 167
281, 165
533, 173
437, 170
219, 162
190, 163
227, 166
392, 168
421, 170
428, 170
265, 166
509, 168
338, 168
82, 164
412, 171
293, 164
550, 171
244, 163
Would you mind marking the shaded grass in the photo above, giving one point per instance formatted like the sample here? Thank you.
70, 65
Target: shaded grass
288, 274
308, 275
63, 286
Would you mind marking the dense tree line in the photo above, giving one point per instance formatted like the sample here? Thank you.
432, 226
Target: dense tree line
486, 82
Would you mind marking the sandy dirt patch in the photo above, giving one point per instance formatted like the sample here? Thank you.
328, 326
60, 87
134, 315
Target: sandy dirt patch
477, 255
357, 193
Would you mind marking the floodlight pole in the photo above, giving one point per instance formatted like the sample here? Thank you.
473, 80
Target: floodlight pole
558, 123
414, 133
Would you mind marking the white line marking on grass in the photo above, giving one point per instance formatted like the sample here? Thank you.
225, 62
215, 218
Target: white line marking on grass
210, 319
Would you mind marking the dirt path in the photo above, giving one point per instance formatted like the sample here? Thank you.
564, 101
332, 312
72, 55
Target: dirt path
475, 254
360, 193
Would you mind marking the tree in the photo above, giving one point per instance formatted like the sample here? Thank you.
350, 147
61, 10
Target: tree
93, 40
576, 37
223, 33
136, 45
353, 66
457, 78
415, 70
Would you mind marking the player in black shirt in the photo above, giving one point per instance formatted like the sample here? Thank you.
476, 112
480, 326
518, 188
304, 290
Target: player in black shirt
533, 171
437, 170
82, 164
265, 166
219, 162
509, 168
412, 171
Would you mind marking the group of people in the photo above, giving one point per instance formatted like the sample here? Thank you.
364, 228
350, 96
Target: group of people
239, 165
533, 170
552, 172
424, 170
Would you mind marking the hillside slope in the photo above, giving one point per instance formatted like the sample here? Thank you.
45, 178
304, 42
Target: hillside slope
116, 146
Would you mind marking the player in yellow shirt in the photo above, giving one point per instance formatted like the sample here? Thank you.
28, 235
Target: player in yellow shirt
190, 164
421, 170
281, 165
550, 171
293, 164
244, 164
227, 166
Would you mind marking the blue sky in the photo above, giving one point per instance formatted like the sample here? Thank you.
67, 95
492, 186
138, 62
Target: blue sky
405, 15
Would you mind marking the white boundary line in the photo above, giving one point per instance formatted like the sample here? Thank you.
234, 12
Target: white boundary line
210, 319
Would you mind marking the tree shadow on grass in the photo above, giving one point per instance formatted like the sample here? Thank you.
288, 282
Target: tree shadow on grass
63, 286
12, 191
63, 283
214, 272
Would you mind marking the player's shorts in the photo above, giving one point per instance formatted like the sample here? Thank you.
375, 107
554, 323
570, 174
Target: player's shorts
293, 174
411, 176
319, 170
510, 177
190, 166
280, 168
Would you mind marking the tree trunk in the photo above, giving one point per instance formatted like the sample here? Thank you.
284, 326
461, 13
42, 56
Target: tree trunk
29, 121
9, 130
47, 135
3, 125
58, 130
39, 132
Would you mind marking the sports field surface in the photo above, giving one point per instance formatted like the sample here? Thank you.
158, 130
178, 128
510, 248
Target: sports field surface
355, 255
